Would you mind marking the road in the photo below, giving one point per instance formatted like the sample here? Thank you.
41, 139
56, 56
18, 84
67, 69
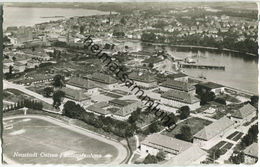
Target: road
10, 85
198, 115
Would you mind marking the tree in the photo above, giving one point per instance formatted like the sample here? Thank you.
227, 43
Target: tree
185, 112
237, 158
160, 156
154, 127
81, 29
134, 116
59, 81
57, 97
123, 21
206, 96
48, 91
73, 110
150, 65
13, 58
254, 101
172, 120
185, 133
150, 159
11, 69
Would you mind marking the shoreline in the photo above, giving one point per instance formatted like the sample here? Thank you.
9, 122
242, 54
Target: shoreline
190, 46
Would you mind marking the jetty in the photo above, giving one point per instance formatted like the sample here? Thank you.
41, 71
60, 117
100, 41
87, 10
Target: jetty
207, 67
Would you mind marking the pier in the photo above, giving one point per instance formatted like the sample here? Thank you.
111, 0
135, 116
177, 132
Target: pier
207, 67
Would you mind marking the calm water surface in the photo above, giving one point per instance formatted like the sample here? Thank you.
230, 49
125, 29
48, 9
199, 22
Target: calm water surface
241, 72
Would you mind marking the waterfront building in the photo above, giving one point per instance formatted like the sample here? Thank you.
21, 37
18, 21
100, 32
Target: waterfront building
179, 77
210, 87
171, 84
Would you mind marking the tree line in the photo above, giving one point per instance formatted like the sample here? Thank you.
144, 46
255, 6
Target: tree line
28, 103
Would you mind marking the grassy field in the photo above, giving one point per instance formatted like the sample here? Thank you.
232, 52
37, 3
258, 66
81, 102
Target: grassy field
196, 124
43, 139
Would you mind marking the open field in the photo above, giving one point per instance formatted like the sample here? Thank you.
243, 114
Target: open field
44, 140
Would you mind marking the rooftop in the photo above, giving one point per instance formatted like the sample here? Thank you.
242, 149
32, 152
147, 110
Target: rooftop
187, 157
244, 111
252, 150
177, 75
82, 83
122, 103
180, 96
98, 108
173, 84
76, 95
103, 78
211, 85
142, 77
214, 129
166, 143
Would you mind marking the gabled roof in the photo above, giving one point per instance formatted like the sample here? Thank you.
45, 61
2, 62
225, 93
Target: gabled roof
82, 83
77, 95
178, 85
252, 150
177, 75
166, 143
187, 157
211, 85
103, 78
180, 96
122, 103
244, 111
214, 129
98, 108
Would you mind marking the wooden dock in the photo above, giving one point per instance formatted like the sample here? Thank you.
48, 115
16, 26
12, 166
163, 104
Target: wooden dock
207, 67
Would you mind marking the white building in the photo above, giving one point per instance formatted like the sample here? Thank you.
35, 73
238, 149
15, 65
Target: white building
154, 143
213, 132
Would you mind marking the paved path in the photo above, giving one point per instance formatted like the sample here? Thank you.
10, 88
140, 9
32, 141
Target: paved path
122, 151
202, 117
10, 85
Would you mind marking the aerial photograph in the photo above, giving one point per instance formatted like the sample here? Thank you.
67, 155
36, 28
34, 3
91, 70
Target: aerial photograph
167, 83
